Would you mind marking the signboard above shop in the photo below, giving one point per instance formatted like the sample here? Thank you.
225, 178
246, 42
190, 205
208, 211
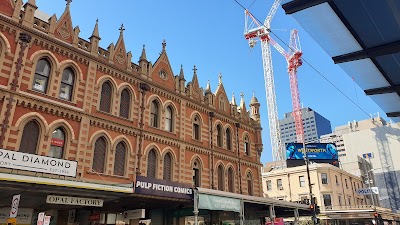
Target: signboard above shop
165, 188
212, 202
68, 200
36, 163
368, 191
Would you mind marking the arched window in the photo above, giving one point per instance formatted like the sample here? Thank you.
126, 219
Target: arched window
57, 143
246, 145
228, 139
125, 103
196, 173
105, 99
42, 75
231, 179
167, 173
30, 138
99, 156
219, 135
220, 178
196, 127
168, 119
249, 184
67, 84
154, 113
120, 159
151, 163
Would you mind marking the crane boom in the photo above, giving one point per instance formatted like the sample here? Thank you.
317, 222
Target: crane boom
253, 30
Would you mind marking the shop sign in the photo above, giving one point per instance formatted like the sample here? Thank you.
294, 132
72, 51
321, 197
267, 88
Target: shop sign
212, 202
36, 163
134, 214
67, 200
57, 142
94, 217
165, 188
24, 215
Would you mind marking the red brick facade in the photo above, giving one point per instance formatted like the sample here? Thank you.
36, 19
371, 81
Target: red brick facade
83, 119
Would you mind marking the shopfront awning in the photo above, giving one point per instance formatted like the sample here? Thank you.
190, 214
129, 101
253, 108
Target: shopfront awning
254, 199
34, 191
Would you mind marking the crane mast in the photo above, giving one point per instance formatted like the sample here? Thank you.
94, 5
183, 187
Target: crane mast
254, 30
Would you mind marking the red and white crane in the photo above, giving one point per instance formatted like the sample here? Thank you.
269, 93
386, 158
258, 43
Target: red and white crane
254, 30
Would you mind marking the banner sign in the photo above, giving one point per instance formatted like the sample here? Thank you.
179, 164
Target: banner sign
36, 163
315, 151
14, 206
165, 188
40, 218
67, 200
367, 191
212, 202
46, 220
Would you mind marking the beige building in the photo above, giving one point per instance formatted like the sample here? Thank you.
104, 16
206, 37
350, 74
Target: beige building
335, 191
381, 140
332, 186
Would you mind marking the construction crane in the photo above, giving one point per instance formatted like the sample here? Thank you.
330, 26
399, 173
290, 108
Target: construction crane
293, 59
253, 30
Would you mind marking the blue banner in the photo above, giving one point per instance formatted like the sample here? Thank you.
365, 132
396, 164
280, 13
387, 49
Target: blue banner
315, 151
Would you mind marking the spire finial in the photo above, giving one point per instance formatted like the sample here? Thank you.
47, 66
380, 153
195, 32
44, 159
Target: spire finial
144, 46
220, 78
121, 29
164, 44
233, 99
143, 56
254, 94
68, 2
194, 69
97, 20
241, 94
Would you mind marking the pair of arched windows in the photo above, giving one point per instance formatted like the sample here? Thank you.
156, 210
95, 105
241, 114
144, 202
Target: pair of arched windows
101, 147
42, 77
231, 177
155, 116
106, 100
31, 136
220, 137
152, 165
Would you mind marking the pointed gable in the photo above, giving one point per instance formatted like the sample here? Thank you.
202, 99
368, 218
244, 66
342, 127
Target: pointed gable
195, 91
63, 27
162, 70
222, 98
120, 55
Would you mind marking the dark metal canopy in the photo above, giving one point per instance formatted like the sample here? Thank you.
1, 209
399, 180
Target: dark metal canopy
362, 37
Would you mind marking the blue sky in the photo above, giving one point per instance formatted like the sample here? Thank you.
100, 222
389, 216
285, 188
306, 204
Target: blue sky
209, 34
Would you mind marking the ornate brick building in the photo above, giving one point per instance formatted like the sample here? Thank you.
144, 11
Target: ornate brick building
66, 97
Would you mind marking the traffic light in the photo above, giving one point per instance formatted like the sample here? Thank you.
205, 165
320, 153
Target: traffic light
317, 209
